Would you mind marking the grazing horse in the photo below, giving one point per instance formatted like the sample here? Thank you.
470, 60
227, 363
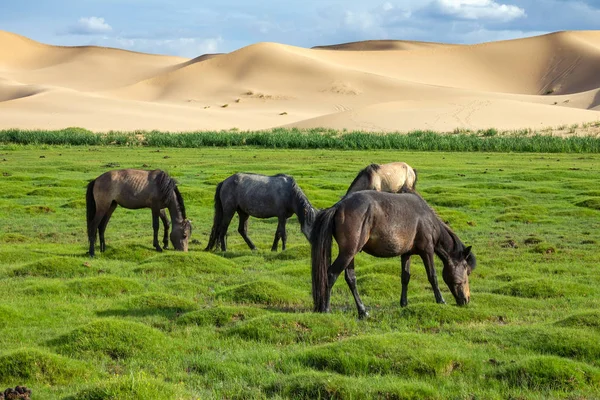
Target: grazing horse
132, 188
386, 225
259, 196
393, 177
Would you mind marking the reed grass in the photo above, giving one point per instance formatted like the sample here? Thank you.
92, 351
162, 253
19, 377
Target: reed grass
465, 141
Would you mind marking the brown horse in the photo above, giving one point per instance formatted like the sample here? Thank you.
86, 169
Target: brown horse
386, 225
134, 189
259, 196
393, 178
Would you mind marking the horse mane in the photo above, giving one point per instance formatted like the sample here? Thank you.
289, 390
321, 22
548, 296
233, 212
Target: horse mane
303, 203
457, 244
365, 171
167, 186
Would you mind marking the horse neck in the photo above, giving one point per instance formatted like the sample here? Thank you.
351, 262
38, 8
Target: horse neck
446, 243
361, 182
301, 202
175, 209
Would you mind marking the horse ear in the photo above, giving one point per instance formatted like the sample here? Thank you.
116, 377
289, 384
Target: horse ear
467, 251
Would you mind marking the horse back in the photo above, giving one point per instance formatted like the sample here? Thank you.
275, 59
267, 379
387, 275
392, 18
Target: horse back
392, 177
396, 223
259, 195
129, 188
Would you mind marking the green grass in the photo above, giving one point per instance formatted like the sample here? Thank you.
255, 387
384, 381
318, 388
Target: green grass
484, 140
133, 323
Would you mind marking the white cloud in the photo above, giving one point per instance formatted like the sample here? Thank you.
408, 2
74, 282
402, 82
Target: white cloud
479, 10
90, 26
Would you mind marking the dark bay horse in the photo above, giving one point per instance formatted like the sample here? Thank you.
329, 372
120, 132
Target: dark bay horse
393, 178
134, 189
386, 225
259, 196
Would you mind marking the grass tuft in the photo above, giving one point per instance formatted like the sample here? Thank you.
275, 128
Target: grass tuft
28, 366
264, 292
114, 338
549, 373
220, 316
103, 286
133, 388
543, 289
55, 267
283, 328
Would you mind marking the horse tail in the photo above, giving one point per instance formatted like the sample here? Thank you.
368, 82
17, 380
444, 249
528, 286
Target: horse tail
414, 185
321, 240
407, 186
90, 205
214, 234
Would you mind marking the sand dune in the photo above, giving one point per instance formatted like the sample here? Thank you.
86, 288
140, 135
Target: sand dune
378, 85
379, 45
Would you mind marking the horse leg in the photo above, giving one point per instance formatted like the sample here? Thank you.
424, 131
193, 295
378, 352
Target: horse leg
405, 260
283, 234
279, 233
166, 224
104, 223
429, 267
227, 216
243, 229
351, 281
94, 227
341, 263
155, 227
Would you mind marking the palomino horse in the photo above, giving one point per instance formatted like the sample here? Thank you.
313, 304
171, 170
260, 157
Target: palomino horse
131, 188
393, 177
259, 196
386, 225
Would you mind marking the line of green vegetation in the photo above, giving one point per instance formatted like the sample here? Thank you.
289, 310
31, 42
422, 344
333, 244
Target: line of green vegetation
489, 140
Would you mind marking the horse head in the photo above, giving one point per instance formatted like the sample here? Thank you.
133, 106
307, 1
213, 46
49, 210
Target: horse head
310, 214
457, 268
180, 235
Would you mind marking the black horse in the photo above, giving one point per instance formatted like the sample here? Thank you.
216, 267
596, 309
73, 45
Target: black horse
386, 225
134, 189
259, 196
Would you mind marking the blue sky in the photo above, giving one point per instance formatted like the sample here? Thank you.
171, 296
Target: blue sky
193, 27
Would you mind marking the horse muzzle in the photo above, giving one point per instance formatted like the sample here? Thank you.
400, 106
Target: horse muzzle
463, 300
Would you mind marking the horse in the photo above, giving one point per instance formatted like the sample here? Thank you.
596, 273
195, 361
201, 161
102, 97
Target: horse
134, 189
259, 196
386, 225
394, 177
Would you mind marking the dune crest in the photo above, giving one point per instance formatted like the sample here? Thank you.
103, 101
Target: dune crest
374, 85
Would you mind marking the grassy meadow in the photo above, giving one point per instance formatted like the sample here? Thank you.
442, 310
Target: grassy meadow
136, 324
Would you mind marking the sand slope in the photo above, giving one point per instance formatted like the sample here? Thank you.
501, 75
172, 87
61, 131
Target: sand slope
378, 85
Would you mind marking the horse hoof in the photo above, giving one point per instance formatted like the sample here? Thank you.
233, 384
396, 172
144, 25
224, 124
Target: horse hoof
159, 249
403, 304
363, 315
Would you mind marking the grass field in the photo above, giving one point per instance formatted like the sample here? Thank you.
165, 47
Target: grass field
136, 324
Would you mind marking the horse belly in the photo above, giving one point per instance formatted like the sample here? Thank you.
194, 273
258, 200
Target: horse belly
380, 246
260, 206
135, 199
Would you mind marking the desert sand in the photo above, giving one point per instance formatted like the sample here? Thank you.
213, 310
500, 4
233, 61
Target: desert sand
548, 81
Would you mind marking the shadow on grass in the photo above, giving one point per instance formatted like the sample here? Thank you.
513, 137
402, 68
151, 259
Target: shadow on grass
169, 312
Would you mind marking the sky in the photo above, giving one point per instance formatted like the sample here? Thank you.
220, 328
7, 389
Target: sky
190, 28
